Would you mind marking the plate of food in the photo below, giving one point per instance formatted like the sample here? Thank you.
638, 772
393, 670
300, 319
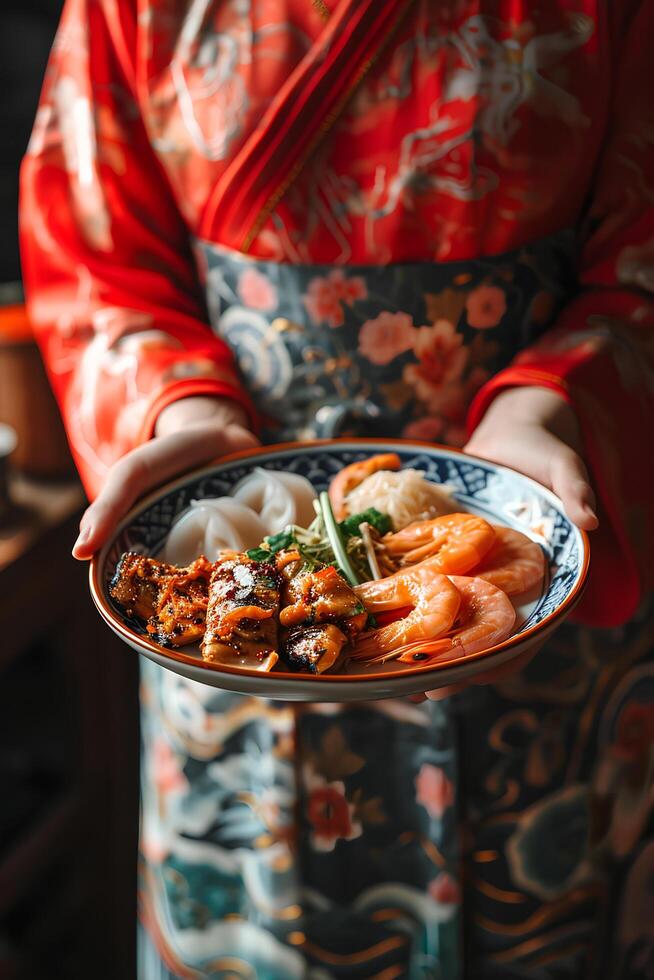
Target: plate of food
344, 570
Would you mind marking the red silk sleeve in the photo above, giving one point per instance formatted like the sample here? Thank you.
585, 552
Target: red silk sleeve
111, 283
600, 353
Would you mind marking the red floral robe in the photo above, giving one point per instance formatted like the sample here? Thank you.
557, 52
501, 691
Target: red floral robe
347, 132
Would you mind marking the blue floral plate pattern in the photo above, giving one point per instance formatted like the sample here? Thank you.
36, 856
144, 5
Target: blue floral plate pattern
495, 492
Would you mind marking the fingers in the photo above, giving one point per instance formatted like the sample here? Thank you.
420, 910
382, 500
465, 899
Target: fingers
569, 480
537, 453
148, 466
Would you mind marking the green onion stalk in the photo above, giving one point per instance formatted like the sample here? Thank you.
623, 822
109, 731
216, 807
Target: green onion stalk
328, 542
336, 539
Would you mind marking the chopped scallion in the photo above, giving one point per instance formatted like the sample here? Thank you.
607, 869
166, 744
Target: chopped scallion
336, 540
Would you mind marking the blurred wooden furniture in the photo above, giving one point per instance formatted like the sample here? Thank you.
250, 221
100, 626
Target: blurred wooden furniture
26, 401
68, 756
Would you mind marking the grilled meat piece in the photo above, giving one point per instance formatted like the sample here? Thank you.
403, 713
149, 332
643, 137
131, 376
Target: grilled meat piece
242, 616
314, 648
173, 600
317, 595
320, 613
136, 583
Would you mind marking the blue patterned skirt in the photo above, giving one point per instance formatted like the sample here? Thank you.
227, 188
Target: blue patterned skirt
502, 833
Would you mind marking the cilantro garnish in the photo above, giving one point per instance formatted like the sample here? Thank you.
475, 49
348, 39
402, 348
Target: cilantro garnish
277, 542
271, 545
350, 527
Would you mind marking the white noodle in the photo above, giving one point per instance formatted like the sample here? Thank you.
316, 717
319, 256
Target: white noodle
406, 496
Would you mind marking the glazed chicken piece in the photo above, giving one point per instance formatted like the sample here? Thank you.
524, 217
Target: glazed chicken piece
172, 600
242, 615
320, 613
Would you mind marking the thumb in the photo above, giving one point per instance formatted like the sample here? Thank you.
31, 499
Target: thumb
240, 437
150, 465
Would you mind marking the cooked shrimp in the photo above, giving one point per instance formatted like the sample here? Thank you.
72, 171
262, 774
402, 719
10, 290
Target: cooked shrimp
486, 617
514, 564
458, 542
351, 476
434, 603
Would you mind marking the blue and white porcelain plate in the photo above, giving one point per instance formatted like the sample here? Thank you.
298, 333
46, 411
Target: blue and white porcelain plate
498, 494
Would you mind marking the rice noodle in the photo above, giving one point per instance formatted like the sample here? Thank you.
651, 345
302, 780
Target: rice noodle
406, 496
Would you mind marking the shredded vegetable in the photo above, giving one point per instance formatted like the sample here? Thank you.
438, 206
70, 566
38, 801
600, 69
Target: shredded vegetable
368, 544
355, 558
336, 539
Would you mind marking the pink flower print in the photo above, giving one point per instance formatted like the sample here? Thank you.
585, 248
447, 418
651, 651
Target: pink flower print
326, 295
437, 399
440, 351
256, 291
434, 790
347, 289
485, 307
428, 429
323, 304
386, 337
436, 377
445, 889
167, 773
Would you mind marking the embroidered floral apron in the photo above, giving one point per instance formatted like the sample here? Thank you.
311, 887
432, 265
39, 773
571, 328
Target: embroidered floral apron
379, 350
440, 840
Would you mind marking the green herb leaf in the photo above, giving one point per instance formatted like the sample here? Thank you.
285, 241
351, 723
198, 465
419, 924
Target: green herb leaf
277, 542
271, 545
259, 554
381, 522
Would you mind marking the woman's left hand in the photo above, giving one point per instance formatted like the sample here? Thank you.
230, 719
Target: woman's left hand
535, 431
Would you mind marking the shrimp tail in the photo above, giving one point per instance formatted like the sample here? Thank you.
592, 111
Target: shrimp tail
378, 645
410, 653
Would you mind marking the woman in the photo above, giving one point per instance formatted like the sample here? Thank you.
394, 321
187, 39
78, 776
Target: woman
405, 218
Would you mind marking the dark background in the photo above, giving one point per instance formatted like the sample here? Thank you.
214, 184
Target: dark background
68, 688
27, 28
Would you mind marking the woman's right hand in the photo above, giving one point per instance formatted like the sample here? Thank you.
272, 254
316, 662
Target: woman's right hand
188, 433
